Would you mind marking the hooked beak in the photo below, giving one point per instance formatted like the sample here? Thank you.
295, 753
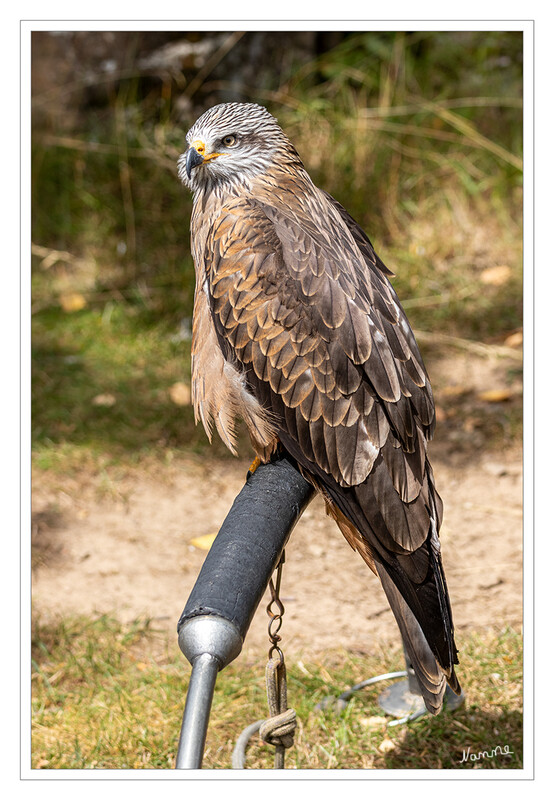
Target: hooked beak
196, 155
193, 159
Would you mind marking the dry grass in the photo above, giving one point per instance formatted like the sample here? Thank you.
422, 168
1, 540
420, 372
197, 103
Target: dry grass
106, 696
437, 185
414, 133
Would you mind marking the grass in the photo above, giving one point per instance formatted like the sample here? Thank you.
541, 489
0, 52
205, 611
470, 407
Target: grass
109, 696
418, 134
126, 349
102, 380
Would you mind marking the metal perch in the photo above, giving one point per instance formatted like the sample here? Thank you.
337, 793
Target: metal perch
228, 590
231, 583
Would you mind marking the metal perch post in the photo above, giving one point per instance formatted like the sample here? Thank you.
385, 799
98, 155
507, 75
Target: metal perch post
231, 583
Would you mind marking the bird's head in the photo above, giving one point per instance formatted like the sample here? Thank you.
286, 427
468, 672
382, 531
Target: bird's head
230, 144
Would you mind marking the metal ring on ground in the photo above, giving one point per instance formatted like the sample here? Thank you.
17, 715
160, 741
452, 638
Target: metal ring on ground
238, 758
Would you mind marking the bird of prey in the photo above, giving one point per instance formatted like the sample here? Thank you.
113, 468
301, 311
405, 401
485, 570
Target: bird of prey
298, 331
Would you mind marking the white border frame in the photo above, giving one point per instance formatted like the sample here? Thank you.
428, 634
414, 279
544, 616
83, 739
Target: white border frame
527, 773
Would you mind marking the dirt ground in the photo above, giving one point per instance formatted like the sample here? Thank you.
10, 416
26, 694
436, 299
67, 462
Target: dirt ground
123, 547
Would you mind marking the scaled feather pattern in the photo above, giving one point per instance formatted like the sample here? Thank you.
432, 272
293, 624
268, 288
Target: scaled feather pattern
298, 331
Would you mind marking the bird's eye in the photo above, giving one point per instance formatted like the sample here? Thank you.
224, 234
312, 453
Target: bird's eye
229, 141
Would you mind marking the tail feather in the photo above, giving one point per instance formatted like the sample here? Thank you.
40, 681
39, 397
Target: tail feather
431, 677
410, 569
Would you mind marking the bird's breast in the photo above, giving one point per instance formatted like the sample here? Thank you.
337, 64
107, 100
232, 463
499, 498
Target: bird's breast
219, 390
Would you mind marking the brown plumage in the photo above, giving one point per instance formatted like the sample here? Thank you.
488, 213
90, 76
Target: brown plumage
298, 331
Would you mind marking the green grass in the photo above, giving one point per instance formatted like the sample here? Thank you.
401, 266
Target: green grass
419, 135
112, 351
109, 696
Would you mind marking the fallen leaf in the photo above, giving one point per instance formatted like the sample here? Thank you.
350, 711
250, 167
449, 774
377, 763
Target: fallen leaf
180, 394
454, 390
106, 400
72, 301
496, 276
514, 340
387, 745
373, 723
204, 542
495, 396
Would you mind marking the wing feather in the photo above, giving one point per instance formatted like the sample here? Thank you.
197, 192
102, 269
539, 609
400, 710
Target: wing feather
305, 312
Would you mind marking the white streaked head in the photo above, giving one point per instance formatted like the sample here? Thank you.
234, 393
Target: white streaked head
230, 144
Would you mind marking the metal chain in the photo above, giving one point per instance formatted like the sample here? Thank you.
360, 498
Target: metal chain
275, 618
279, 729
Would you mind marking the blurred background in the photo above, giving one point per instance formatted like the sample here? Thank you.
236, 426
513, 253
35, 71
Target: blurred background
419, 135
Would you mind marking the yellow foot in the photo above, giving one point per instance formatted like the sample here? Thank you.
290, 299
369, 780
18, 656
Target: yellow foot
254, 465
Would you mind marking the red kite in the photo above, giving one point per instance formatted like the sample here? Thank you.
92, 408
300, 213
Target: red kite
298, 331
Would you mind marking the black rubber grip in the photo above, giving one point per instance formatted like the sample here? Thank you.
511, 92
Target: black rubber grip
249, 544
